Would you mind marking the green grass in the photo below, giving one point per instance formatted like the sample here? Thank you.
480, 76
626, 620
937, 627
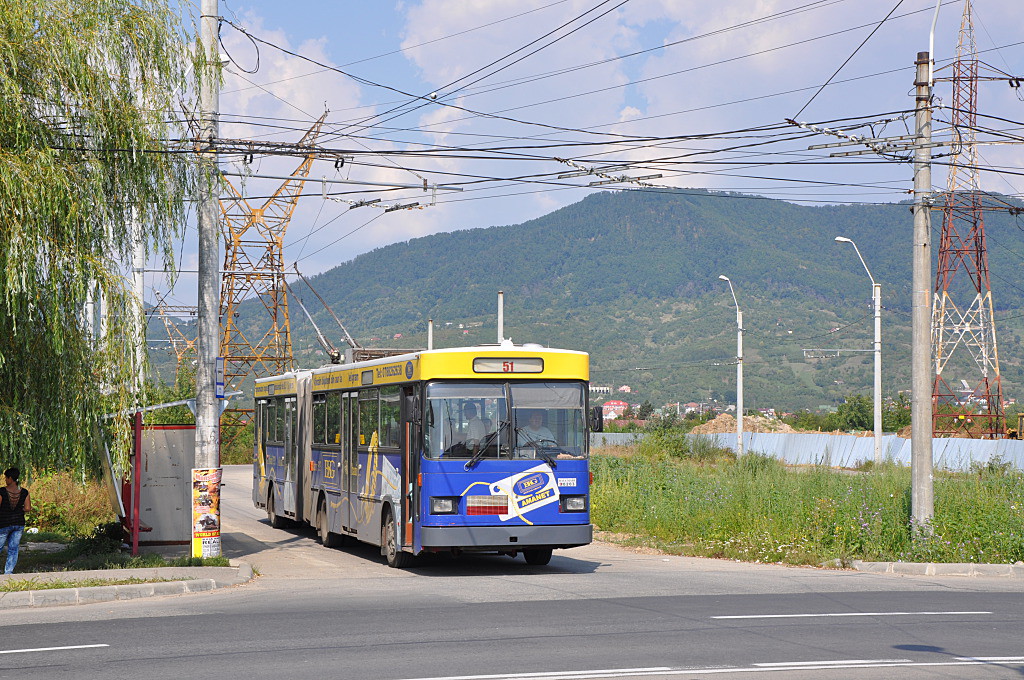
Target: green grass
103, 551
19, 585
696, 503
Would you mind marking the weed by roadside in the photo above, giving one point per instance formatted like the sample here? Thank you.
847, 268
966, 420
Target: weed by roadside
756, 509
22, 584
102, 550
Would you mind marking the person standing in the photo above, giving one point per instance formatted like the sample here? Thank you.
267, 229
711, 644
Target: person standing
475, 428
14, 503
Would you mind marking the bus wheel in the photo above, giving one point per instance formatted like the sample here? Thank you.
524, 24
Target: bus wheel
275, 520
389, 544
538, 557
327, 538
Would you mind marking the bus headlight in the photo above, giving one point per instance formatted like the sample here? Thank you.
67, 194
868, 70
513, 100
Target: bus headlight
574, 503
443, 505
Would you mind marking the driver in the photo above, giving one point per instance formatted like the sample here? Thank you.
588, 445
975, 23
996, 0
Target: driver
535, 431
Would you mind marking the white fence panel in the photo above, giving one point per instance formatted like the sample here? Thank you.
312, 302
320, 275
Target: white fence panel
838, 450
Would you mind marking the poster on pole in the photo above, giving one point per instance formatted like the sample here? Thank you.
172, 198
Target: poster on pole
206, 512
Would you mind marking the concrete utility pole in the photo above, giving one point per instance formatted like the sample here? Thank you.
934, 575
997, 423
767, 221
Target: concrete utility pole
207, 411
922, 499
739, 368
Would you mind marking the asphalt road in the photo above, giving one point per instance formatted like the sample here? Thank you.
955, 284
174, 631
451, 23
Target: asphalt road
594, 612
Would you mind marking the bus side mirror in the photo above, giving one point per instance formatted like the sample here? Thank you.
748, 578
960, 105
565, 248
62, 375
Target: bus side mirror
412, 407
597, 419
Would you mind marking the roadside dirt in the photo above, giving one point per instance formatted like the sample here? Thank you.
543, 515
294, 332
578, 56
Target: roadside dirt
726, 423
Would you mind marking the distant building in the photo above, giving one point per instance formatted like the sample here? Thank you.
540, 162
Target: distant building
598, 389
613, 409
626, 388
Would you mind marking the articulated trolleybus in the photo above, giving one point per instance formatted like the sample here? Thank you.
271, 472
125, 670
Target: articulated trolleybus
478, 449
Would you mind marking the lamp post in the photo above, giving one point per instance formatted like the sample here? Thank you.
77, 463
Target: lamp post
739, 368
876, 300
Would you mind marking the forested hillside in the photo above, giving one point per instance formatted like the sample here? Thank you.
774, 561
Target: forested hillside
632, 278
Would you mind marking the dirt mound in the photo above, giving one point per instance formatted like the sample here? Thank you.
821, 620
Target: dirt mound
726, 423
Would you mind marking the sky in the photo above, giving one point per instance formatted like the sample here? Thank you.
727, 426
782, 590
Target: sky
492, 100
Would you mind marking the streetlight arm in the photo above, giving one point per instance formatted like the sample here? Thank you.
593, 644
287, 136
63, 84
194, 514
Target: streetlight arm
843, 239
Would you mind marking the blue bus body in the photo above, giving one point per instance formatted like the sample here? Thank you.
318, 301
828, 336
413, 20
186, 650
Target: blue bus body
470, 450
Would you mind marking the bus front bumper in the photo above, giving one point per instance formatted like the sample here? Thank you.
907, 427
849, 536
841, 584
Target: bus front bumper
506, 538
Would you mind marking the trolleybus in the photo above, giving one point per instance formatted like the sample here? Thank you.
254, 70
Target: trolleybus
478, 449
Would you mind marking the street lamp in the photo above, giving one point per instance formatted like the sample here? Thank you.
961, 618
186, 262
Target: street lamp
739, 368
876, 300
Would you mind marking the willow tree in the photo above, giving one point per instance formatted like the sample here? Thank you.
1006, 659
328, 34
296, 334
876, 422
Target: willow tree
88, 91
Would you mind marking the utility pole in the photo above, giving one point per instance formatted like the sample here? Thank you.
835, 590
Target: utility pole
876, 302
739, 368
207, 412
922, 498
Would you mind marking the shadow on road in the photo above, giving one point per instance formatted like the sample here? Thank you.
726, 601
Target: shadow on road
1016, 668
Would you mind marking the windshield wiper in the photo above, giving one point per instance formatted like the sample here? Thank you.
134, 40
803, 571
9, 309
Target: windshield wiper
484, 443
538, 445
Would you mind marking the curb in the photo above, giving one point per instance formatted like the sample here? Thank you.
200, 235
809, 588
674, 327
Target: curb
940, 569
186, 580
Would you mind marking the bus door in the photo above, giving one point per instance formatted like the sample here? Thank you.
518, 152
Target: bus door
290, 455
350, 460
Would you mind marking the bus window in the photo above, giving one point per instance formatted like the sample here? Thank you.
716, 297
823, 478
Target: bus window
390, 414
368, 417
271, 421
333, 418
319, 419
279, 421
450, 409
549, 419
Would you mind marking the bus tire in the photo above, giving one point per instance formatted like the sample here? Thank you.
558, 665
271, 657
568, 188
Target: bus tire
540, 557
328, 539
397, 559
275, 520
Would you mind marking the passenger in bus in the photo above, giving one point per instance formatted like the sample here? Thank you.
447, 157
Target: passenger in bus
535, 432
475, 428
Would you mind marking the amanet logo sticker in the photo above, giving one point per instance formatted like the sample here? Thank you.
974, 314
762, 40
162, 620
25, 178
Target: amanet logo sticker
527, 491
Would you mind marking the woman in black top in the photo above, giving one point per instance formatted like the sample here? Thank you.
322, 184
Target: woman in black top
14, 503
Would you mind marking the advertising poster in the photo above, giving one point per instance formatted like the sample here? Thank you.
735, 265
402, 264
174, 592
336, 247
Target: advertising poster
206, 512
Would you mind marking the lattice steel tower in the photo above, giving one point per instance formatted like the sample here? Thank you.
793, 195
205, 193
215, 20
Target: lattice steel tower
254, 269
963, 320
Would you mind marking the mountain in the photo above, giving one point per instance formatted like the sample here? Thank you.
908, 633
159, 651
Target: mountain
633, 278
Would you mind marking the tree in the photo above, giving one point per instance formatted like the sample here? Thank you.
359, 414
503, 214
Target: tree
87, 88
856, 413
645, 410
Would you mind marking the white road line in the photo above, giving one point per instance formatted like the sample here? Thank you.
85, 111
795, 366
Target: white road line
547, 674
722, 670
49, 649
841, 614
992, 659
841, 661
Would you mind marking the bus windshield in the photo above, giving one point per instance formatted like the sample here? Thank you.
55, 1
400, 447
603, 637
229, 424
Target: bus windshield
519, 420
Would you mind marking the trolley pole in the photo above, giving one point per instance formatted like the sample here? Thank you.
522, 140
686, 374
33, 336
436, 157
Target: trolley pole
207, 411
922, 499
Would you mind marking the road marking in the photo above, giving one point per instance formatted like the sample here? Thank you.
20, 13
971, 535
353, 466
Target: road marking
720, 670
550, 674
830, 663
49, 649
841, 614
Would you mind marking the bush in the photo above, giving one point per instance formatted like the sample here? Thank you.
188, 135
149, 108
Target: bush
63, 504
674, 444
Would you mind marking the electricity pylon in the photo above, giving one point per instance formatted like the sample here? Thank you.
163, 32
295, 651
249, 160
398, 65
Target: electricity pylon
962, 312
254, 270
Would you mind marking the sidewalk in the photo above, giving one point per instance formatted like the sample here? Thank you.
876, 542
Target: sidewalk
179, 580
